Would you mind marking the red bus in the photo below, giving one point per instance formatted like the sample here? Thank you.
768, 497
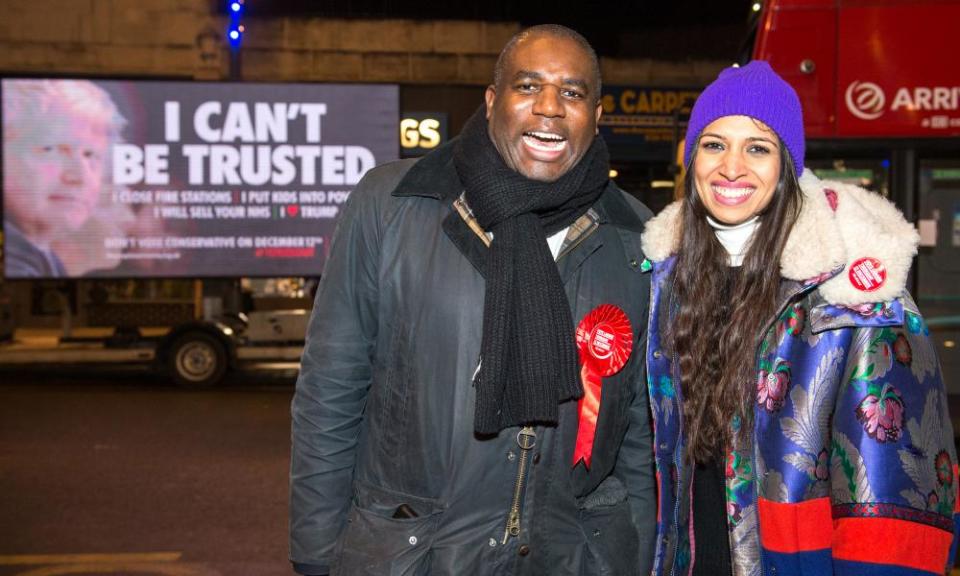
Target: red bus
880, 85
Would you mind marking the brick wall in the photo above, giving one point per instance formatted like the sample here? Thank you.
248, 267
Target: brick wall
185, 39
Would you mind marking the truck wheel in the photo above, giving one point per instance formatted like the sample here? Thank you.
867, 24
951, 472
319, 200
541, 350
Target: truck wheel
197, 360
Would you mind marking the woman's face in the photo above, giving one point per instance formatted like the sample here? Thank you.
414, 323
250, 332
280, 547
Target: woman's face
737, 167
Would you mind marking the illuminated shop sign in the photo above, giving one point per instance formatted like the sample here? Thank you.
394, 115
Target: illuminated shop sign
641, 123
422, 132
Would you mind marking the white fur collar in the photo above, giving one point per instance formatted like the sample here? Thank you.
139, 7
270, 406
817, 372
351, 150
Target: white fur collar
864, 226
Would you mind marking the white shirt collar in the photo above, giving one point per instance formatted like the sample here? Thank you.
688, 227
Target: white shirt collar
735, 238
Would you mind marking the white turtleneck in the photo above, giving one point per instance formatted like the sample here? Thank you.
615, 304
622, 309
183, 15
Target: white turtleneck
735, 238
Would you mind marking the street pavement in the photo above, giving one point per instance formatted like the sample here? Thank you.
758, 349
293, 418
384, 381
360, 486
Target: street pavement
105, 473
117, 472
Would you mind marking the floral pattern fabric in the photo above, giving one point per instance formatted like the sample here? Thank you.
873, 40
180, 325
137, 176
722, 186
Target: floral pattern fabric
850, 408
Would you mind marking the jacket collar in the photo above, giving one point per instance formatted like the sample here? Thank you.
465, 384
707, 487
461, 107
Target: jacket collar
581, 228
433, 176
839, 226
612, 208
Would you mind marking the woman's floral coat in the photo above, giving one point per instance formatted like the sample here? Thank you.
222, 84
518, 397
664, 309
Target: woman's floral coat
851, 467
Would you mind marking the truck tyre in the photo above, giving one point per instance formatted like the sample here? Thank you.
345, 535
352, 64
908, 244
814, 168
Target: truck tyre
197, 360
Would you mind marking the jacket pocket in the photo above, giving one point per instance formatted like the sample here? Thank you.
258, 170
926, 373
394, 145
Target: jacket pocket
387, 534
612, 540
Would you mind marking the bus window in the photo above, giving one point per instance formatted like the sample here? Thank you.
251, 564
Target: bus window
938, 261
872, 174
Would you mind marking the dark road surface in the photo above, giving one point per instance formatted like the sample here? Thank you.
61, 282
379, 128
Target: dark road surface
103, 474
122, 473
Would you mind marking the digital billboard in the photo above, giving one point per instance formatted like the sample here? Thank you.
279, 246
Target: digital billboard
133, 179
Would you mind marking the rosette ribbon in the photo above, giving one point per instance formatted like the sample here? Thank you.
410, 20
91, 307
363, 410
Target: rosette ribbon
605, 342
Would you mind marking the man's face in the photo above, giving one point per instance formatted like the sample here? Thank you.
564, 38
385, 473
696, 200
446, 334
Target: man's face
543, 116
53, 175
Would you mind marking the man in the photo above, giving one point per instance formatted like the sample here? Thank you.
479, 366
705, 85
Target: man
436, 422
57, 137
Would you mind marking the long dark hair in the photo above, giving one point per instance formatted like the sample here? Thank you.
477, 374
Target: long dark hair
721, 310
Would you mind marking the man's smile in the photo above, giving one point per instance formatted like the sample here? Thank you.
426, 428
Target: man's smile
544, 146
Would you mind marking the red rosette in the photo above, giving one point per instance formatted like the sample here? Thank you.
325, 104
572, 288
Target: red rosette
605, 341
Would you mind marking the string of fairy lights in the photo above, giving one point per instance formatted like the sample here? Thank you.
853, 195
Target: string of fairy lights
235, 29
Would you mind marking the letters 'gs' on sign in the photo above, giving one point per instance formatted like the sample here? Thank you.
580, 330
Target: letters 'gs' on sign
421, 132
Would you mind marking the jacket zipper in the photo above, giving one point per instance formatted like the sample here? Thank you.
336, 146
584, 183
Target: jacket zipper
527, 436
526, 440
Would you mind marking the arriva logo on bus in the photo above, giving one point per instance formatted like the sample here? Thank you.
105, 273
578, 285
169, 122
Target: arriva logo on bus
866, 100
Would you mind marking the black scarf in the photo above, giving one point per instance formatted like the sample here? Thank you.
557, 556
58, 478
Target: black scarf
528, 356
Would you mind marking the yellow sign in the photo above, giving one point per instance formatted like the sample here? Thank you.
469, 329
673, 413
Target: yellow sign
648, 101
423, 133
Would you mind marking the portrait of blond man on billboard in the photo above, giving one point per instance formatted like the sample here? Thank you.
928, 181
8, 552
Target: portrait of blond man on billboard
57, 141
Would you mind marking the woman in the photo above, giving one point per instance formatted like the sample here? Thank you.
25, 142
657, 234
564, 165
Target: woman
800, 416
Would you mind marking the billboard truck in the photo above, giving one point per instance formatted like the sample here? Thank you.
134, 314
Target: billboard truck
880, 87
163, 180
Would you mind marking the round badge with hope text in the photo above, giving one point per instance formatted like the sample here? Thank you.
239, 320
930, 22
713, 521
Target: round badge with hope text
867, 274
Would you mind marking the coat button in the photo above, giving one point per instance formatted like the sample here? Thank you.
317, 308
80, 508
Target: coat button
634, 262
657, 354
536, 458
412, 540
523, 550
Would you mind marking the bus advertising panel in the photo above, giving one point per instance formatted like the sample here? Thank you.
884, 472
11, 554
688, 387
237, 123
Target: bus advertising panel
132, 179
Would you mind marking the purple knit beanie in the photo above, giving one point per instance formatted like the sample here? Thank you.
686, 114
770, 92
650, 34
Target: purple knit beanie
754, 90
